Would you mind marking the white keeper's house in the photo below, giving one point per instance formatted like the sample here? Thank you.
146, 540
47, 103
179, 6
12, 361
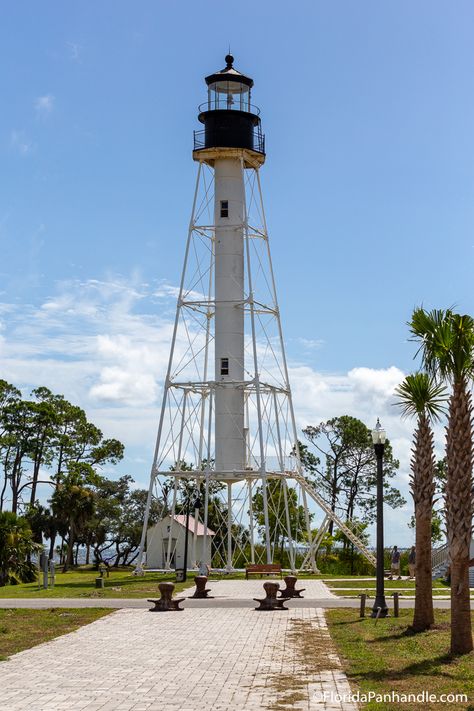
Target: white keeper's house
167, 538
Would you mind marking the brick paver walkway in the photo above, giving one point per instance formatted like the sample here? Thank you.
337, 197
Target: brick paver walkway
215, 659
248, 589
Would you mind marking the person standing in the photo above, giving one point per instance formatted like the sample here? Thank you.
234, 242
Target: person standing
412, 562
395, 564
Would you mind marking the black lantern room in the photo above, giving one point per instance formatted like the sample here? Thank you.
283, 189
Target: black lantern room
230, 119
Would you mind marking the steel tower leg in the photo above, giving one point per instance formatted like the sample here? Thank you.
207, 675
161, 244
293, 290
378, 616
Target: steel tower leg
251, 522
206, 514
173, 511
154, 467
257, 381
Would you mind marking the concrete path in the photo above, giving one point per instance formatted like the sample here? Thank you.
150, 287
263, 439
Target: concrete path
223, 603
215, 659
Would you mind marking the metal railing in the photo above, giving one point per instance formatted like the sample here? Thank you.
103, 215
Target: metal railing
258, 141
311, 491
222, 104
439, 556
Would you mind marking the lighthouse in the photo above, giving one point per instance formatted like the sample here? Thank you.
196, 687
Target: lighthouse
227, 444
232, 141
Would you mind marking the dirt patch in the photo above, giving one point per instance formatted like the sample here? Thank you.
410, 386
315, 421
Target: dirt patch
310, 650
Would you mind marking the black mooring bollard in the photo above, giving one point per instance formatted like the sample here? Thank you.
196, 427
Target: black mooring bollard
201, 593
166, 602
270, 601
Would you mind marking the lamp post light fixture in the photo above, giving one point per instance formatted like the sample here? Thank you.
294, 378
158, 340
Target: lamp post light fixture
380, 608
197, 506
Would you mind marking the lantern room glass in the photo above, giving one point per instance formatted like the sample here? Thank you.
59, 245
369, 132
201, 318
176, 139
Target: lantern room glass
229, 95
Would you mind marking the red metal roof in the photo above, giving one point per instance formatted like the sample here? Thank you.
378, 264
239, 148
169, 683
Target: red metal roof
181, 519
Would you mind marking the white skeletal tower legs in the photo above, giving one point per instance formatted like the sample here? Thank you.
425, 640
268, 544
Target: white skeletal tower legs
234, 429
227, 427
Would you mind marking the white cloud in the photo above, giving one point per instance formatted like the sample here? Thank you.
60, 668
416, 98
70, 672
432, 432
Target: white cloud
381, 383
44, 105
310, 343
129, 375
119, 385
167, 291
105, 345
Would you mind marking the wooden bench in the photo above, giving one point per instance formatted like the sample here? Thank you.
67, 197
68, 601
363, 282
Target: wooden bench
266, 569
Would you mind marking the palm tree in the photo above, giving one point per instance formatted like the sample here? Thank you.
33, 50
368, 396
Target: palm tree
447, 348
16, 545
422, 397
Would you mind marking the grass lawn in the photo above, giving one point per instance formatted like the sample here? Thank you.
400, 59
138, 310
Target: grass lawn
356, 583
81, 583
121, 583
437, 593
22, 629
353, 588
383, 657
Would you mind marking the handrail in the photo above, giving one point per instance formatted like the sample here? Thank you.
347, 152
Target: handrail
309, 488
439, 555
223, 105
258, 141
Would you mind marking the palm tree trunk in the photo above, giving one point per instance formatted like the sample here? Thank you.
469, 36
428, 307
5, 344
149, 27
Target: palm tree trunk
461, 635
459, 455
422, 486
52, 541
423, 616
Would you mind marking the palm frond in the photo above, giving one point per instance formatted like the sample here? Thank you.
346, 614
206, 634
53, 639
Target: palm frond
420, 394
446, 342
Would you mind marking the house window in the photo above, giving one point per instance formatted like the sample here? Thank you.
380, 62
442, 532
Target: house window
224, 208
224, 366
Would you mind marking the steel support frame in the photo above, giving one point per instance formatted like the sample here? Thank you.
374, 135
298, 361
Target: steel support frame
255, 387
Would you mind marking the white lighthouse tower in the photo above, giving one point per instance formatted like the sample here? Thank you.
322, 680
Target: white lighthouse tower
227, 438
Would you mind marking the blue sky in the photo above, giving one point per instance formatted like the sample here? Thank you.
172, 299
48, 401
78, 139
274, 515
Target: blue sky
368, 111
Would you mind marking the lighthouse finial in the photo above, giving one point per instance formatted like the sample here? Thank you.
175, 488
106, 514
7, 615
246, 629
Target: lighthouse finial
229, 60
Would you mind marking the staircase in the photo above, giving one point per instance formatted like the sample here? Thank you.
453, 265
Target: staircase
439, 562
311, 491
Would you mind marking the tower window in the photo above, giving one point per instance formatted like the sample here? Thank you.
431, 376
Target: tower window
224, 208
224, 366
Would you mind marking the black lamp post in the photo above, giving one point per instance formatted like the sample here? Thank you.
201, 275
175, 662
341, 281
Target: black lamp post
380, 608
197, 506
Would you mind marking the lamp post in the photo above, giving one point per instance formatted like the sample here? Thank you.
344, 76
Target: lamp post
197, 506
380, 608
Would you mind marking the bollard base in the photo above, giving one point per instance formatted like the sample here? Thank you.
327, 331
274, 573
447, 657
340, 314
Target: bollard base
289, 591
167, 605
271, 603
201, 593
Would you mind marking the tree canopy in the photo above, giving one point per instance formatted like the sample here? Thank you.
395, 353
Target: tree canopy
342, 466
